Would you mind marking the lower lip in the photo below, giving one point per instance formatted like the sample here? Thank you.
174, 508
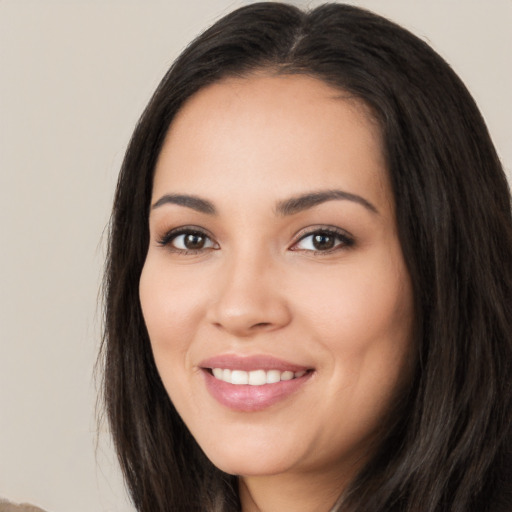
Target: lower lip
246, 398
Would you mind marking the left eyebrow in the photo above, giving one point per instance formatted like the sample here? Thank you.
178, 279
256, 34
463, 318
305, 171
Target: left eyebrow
188, 201
305, 201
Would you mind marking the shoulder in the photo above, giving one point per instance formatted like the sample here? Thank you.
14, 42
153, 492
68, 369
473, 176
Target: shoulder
7, 506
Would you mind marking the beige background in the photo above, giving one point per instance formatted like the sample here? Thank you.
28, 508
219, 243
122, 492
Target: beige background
75, 75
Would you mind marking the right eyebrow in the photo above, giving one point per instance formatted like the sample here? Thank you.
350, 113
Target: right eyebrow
303, 202
194, 202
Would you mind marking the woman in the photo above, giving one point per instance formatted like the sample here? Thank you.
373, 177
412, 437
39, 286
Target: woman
308, 292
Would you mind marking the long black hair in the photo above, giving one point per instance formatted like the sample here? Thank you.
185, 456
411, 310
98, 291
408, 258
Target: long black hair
446, 449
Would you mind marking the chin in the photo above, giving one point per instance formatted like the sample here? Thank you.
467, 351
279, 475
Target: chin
246, 462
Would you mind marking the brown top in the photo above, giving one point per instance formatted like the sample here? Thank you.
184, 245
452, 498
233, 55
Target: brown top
6, 506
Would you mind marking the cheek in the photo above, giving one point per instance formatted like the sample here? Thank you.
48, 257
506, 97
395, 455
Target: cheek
357, 307
362, 321
171, 306
363, 329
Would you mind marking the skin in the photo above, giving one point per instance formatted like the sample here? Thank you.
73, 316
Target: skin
260, 286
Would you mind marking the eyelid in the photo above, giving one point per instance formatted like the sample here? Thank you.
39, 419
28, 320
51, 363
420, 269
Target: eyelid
170, 235
347, 239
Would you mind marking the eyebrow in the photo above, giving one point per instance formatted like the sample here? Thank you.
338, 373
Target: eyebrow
194, 202
287, 207
303, 202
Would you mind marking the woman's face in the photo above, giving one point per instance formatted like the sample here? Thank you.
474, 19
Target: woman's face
275, 293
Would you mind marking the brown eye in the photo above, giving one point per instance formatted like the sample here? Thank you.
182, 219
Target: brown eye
186, 240
323, 241
194, 241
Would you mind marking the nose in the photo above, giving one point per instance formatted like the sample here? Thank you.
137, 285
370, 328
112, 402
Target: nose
249, 298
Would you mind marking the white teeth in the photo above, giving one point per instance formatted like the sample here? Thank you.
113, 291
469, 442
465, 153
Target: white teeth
255, 377
273, 376
239, 377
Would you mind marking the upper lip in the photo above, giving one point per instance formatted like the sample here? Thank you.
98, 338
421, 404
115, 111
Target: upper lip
250, 363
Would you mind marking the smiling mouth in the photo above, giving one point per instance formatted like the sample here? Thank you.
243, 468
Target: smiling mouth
255, 389
253, 383
254, 377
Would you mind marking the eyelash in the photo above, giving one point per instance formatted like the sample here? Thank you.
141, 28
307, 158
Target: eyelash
172, 235
341, 238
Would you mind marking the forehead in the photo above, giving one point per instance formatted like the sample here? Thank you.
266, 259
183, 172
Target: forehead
291, 130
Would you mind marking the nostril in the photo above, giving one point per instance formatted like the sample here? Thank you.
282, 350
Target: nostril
261, 325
